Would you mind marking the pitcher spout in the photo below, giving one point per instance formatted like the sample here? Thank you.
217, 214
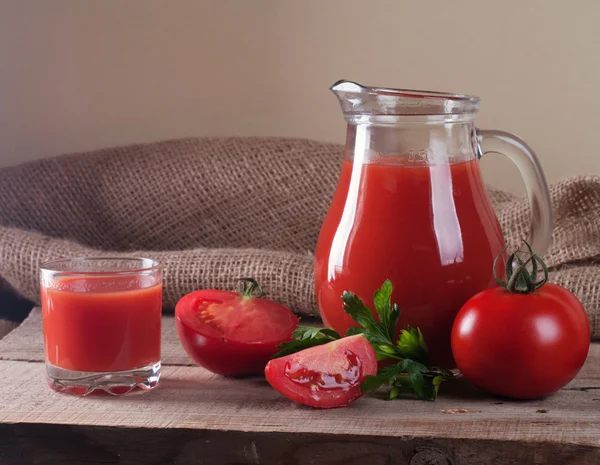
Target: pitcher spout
343, 86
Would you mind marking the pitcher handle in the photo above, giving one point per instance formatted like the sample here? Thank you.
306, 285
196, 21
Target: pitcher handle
513, 147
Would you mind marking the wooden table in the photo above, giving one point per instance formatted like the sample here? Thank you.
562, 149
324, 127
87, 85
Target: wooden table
195, 417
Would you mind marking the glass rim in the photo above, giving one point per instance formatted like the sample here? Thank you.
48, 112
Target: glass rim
358, 99
422, 94
52, 265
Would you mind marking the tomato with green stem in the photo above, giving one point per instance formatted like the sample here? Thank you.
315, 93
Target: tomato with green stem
525, 339
231, 333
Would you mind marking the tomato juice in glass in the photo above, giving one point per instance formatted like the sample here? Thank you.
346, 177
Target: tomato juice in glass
102, 323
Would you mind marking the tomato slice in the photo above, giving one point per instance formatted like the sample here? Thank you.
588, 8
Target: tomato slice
325, 376
230, 334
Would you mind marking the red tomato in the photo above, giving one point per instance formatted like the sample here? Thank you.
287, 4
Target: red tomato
231, 334
324, 376
523, 346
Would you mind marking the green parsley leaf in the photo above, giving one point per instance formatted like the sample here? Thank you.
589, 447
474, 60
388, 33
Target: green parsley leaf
305, 337
406, 375
411, 344
382, 303
355, 330
388, 314
415, 373
393, 393
374, 331
385, 376
309, 332
436, 382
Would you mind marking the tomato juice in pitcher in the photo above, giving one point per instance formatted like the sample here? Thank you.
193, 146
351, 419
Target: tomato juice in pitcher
411, 207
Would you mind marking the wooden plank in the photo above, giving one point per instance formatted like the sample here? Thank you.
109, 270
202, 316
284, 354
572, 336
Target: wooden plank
192, 398
70, 445
196, 417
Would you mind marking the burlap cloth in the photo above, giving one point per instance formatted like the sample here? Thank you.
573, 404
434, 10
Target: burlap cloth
216, 209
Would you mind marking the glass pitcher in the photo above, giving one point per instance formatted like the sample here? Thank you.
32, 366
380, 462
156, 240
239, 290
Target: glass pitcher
411, 206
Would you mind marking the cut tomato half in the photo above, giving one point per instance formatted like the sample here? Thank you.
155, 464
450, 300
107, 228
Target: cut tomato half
232, 334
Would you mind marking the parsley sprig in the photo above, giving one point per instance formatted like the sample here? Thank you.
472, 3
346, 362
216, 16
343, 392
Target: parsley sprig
412, 370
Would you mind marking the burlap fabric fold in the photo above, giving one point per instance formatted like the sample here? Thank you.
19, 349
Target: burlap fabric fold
216, 209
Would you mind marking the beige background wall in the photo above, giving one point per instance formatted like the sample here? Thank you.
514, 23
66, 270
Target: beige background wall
83, 74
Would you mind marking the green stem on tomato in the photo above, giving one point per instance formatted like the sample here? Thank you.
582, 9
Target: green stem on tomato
518, 278
250, 288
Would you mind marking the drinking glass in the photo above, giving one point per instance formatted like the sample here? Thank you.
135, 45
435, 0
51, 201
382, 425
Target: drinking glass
102, 324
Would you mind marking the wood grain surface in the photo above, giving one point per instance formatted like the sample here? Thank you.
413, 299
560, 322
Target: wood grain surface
197, 417
70, 445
